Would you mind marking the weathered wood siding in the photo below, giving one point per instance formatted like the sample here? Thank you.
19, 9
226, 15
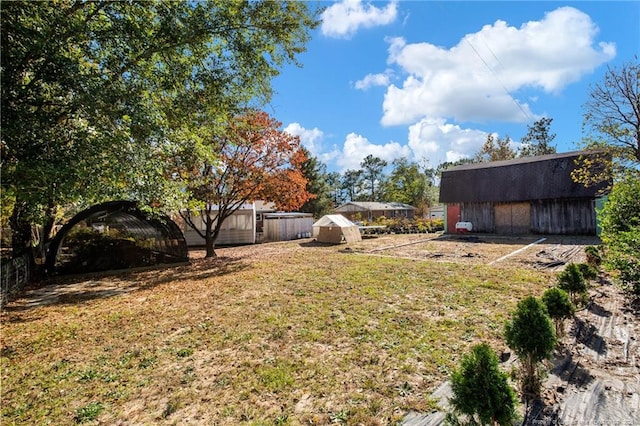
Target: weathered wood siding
567, 217
480, 215
512, 218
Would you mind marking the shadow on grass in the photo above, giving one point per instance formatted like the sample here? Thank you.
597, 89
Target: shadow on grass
315, 243
77, 289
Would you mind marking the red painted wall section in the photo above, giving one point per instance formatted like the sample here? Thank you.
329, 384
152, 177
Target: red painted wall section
453, 216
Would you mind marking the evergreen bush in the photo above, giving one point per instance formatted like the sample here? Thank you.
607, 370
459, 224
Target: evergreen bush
481, 392
559, 307
530, 333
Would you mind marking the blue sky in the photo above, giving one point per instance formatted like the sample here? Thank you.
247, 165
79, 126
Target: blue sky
429, 80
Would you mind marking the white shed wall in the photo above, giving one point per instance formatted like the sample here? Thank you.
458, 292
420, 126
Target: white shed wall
285, 229
239, 228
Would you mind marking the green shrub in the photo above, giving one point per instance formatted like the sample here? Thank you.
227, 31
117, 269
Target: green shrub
621, 233
559, 307
588, 271
572, 281
530, 334
594, 258
480, 390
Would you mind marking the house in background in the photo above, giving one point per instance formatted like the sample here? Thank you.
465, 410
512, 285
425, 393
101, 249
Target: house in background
520, 196
436, 212
369, 210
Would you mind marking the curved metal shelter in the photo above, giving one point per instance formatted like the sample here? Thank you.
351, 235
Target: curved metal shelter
115, 235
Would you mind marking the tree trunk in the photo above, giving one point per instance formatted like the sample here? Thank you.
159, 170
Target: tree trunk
47, 229
210, 236
21, 231
210, 243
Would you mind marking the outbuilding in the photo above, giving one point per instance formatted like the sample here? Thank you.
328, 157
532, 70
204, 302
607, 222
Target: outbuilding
287, 226
520, 196
335, 228
238, 228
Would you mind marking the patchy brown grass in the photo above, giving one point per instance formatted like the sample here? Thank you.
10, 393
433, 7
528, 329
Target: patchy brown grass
289, 333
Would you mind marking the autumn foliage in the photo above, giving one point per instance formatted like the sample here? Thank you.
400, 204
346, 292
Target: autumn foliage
252, 159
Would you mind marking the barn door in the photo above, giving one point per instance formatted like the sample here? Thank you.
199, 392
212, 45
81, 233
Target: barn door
513, 218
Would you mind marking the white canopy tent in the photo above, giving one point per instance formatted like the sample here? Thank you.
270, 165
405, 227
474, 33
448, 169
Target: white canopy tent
334, 228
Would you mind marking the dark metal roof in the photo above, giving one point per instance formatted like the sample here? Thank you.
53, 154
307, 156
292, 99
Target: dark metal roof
521, 179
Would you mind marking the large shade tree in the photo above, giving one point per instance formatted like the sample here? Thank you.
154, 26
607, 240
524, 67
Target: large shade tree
250, 159
611, 126
92, 92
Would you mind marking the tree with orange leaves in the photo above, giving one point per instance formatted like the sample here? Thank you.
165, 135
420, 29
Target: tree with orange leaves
250, 159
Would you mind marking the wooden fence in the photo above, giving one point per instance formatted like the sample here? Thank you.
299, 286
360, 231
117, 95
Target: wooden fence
14, 274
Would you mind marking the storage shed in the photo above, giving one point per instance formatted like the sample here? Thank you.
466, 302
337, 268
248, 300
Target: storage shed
239, 228
524, 195
334, 228
287, 226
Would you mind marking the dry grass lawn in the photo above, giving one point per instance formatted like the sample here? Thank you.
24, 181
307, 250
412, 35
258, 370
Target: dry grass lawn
287, 334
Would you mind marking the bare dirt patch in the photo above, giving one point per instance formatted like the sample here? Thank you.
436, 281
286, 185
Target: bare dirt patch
531, 251
595, 379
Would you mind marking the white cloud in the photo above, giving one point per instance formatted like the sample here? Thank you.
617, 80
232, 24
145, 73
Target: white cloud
370, 80
312, 139
477, 79
438, 141
343, 19
357, 147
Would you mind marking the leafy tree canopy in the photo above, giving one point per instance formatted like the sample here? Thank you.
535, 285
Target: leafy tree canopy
94, 92
254, 160
538, 139
621, 232
410, 184
612, 126
495, 149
